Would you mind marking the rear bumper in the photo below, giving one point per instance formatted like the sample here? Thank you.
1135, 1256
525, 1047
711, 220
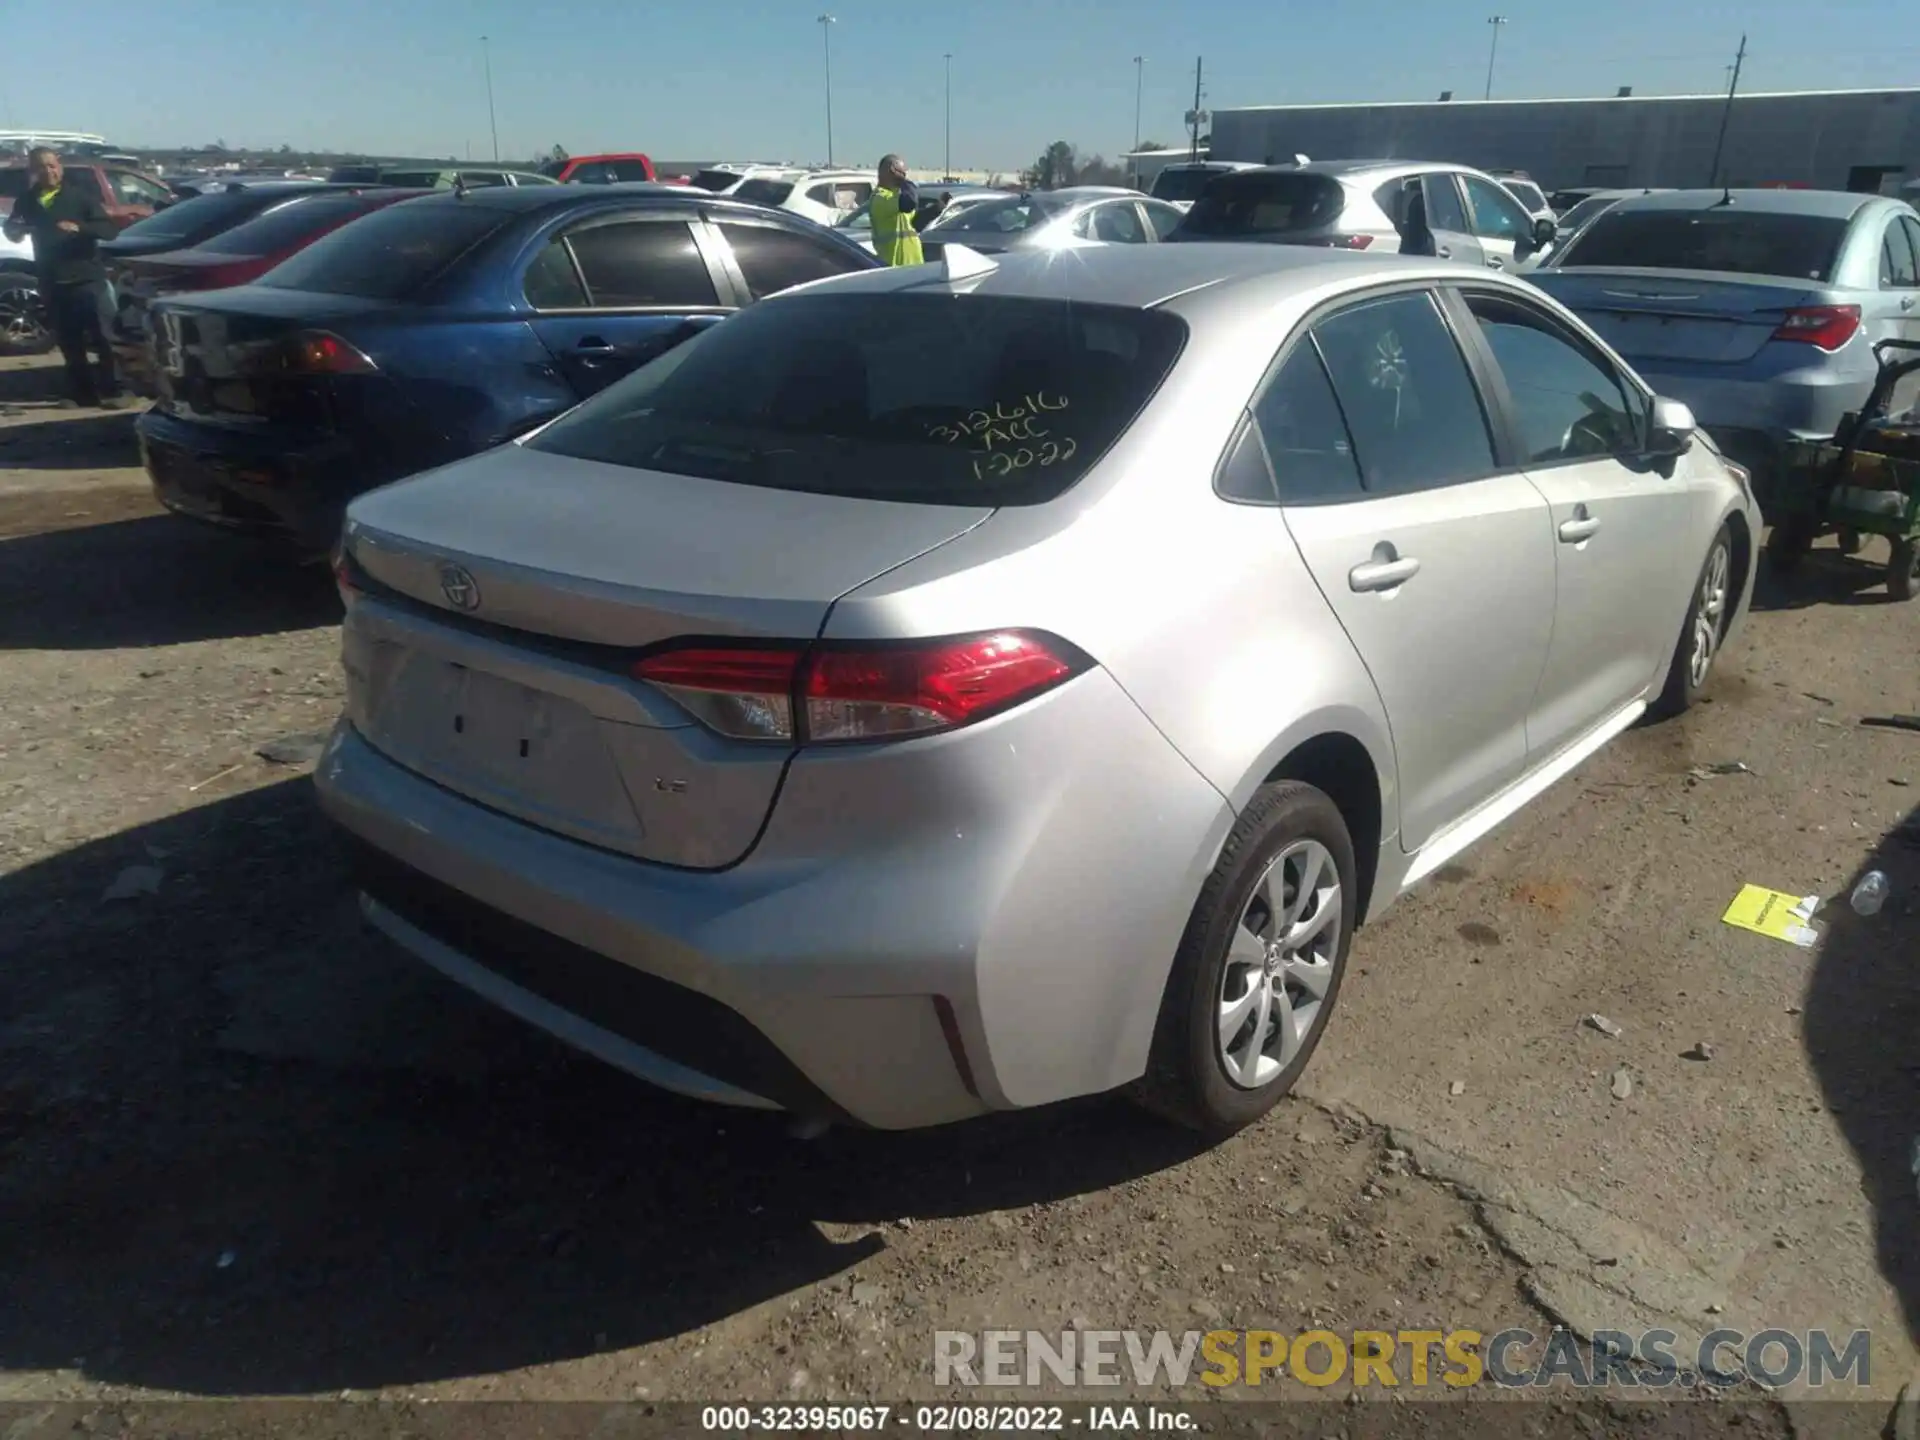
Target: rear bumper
261, 481
1752, 419
911, 942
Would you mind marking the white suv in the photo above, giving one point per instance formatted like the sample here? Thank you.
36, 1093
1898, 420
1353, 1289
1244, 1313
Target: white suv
823, 196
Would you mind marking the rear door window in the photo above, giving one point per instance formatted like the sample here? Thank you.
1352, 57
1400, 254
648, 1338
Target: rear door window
1910, 228
1444, 210
1118, 223
1261, 204
772, 260
628, 170
553, 281
1896, 259
1306, 437
595, 174
1163, 218
1180, 184
976, 400
1410, 404
1496, 214
1739, 242
643, 264
131, 189
391, 254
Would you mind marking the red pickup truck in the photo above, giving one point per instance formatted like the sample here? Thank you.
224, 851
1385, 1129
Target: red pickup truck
601, 169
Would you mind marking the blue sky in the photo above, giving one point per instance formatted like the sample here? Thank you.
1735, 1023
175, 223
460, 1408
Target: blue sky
744, 78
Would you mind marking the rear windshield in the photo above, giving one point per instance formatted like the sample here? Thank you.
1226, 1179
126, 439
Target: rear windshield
764, 192
285, 225
986, 400
714, 180
190, 220
1254, 204
415, 179
1527, 193
1739, 242
1580, 214
391, 253
1180, 184
354, 174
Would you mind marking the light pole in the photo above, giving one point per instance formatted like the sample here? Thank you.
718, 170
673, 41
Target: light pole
1139, 73
826, 40
1496, 21
486, 59
948, 172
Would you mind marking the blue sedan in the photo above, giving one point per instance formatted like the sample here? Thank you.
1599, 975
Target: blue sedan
437, 328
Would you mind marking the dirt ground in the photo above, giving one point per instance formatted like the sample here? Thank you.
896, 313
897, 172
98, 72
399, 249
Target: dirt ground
248, 1150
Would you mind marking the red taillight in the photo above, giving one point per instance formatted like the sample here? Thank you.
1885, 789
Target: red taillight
851, 693
1827, 326
345, 576
1356, 242
311, 352
315, 352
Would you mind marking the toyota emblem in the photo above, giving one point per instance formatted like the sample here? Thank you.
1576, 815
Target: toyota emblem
458, 585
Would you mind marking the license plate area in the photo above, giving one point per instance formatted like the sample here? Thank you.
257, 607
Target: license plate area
520, 750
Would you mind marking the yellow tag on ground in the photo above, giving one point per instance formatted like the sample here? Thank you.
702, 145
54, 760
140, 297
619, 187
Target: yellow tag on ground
1775, 914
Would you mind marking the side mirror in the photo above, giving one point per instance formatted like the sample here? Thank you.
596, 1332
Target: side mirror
1672, 427
1544, 229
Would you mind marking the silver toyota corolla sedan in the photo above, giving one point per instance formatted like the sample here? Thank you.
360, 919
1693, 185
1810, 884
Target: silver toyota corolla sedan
957, 688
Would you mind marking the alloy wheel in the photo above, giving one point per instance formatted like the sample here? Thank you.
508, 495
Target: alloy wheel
1279, 965
1709, 616
20, 325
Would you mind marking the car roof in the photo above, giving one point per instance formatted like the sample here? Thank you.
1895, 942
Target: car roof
1073, 193
527, 199
610, 155
1833, 204
1144, 276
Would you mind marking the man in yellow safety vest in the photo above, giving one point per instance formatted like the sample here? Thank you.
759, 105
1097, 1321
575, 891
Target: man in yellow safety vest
896, 217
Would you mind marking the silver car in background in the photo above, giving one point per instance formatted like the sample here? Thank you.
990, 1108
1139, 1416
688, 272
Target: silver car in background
960, 687
1758, 308
1055, 220
1445, 211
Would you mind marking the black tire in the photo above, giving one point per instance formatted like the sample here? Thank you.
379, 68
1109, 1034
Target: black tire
1903, 570
23, 326
1684, 683
1186, 1079
1788, 543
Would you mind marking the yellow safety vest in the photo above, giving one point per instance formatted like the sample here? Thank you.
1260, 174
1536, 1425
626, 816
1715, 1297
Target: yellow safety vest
895, 240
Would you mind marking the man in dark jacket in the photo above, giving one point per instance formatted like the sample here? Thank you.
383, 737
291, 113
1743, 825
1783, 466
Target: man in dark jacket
67, 224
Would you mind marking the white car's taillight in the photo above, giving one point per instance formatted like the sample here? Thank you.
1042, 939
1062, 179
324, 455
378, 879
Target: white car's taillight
831, 693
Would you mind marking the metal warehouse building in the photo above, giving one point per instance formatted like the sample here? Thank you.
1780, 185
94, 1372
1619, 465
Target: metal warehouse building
1829, 140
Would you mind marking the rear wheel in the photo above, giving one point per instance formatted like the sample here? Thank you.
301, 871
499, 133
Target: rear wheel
23, 330
1259, 967
1903, 570
1707, 617
1848, 540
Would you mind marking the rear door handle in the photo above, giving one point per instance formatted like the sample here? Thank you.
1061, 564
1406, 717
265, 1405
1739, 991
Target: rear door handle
1382, 574
593, 345
1580, 527
1444, 252
1494, 262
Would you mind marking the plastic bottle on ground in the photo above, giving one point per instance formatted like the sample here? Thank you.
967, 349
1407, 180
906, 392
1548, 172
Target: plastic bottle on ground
1870, 894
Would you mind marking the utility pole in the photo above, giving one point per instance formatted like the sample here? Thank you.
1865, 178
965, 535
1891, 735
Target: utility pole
486, 59
947, 174
1196, 115
1496, 21
826, 23
1726, 113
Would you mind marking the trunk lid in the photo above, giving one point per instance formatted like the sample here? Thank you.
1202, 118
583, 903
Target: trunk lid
202, 343
1697, 316
570, 567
